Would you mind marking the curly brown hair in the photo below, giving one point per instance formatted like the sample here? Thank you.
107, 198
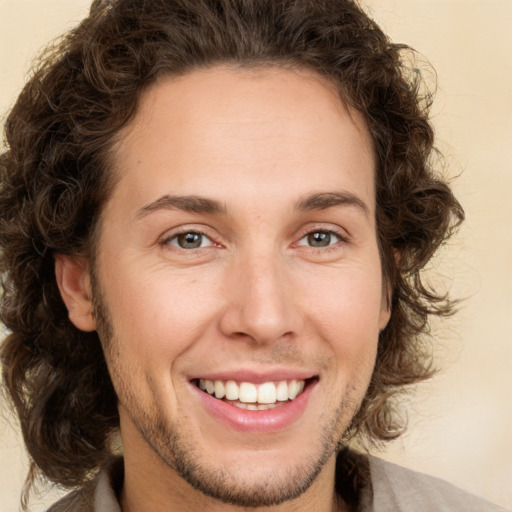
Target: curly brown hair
55, 179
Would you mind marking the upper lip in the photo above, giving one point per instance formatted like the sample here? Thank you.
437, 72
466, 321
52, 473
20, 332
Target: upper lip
256, 377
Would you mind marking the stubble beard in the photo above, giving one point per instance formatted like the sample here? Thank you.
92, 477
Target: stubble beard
171, 443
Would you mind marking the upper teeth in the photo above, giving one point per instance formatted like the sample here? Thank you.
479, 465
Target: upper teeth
265, 393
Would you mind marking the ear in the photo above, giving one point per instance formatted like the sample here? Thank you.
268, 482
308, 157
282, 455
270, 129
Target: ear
385, 305
74, 284
387, 295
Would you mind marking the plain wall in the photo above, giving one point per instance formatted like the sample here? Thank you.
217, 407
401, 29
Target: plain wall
460, 422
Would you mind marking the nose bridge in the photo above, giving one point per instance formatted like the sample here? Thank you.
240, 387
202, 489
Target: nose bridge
261, 304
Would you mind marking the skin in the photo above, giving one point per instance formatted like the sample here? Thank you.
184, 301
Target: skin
256, 297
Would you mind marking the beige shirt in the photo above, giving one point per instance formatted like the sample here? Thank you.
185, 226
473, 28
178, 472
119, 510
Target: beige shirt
391, 489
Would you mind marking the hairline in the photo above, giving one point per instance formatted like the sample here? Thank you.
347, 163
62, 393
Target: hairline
114, 175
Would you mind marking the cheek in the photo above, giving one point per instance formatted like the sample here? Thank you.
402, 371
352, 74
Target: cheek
159, 317
346, 313
154, 325
352, 294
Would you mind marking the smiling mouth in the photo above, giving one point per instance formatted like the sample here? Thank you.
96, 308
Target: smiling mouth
254, 397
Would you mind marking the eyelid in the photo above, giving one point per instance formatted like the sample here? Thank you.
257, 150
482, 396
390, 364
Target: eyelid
201, 230
204, 239
333, 249
330, 228
330, 232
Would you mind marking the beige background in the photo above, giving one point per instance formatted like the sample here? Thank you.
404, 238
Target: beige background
460, 423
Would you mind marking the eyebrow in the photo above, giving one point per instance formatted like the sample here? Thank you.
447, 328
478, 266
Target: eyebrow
195, 204
324, 200
199, 204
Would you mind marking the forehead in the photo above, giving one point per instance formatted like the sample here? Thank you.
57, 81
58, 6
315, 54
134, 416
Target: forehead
233, 132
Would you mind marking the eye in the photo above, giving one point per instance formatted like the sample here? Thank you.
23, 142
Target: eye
189, 240
320, 239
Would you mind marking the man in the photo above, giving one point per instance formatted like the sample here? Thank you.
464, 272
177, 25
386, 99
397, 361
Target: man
214, 221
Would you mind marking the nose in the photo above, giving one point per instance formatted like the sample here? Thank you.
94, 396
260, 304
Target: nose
262, 301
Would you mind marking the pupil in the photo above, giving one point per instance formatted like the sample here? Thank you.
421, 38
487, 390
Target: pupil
190, 240
319, 239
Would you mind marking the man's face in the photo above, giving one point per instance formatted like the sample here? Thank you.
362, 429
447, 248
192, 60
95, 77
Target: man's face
238, 254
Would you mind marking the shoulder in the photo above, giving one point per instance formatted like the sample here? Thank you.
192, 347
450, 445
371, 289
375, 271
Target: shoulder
98, 495
81, 500
397, 489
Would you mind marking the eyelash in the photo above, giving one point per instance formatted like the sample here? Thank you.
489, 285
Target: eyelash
342, 238
167, 241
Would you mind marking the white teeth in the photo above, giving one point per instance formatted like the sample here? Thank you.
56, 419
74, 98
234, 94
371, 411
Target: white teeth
220, 389
282, 391
267, 393
247, 393
231, 390
210, 387
254, 407
293, 389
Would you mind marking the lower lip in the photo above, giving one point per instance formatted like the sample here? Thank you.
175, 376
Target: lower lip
269, 420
